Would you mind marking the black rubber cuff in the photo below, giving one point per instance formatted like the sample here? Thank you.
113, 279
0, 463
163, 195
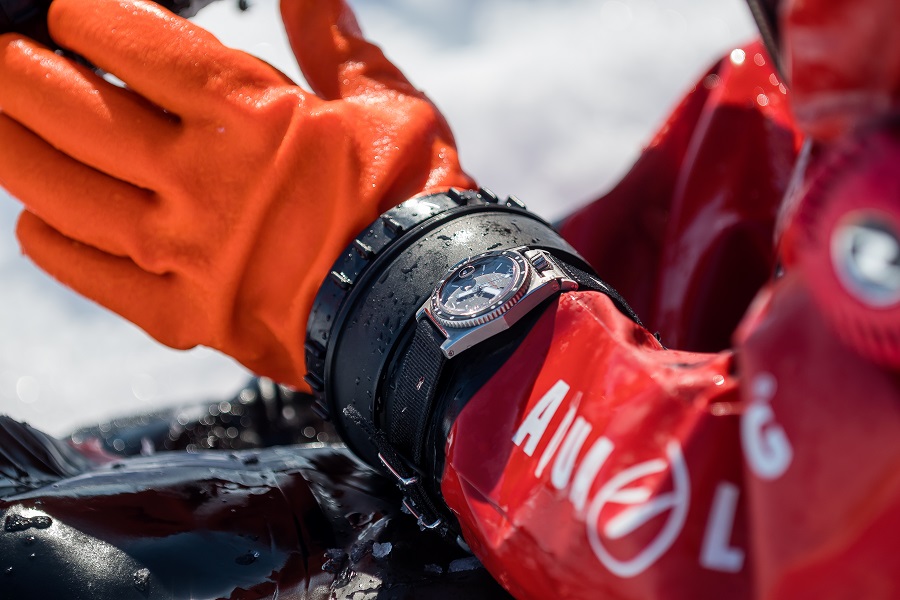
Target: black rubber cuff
365, 308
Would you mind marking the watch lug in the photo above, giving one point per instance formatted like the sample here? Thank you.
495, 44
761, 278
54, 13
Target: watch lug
459, 341
426, 312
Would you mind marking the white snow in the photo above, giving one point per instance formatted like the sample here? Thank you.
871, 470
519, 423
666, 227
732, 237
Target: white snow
549, 99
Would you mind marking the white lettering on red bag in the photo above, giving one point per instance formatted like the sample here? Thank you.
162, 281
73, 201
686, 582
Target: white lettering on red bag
717, 553
767, 449
535, 424
644, 503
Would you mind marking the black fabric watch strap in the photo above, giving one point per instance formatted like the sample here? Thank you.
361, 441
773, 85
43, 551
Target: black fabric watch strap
587, 281
415, 391
408, 418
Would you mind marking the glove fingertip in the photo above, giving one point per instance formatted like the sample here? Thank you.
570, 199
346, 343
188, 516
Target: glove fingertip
28, 229
45, 246
336, 59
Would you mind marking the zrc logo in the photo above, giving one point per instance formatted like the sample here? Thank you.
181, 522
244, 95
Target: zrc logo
643, 506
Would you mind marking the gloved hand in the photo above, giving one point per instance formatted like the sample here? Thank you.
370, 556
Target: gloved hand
207, 200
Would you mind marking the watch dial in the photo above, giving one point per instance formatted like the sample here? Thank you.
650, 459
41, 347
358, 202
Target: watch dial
479, 286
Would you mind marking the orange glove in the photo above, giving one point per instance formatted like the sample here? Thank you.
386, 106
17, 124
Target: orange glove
207, 200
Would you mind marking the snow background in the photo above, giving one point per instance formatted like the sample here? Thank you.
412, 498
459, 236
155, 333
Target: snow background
549, 99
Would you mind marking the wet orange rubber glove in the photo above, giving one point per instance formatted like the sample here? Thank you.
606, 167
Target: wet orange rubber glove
207, 200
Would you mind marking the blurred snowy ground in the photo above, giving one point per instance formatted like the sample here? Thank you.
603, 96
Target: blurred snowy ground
549, 99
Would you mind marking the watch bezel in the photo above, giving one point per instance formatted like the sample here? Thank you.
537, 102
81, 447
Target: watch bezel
490, 312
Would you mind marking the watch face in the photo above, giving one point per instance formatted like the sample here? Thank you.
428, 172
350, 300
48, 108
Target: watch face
479, 289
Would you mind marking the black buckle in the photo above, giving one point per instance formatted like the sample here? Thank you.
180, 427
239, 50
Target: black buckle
412, 485
420, 517
404, 481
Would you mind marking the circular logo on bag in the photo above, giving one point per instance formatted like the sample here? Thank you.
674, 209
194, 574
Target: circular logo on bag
623, 512
865, 252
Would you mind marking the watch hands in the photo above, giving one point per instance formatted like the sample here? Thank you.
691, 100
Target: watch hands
470, 292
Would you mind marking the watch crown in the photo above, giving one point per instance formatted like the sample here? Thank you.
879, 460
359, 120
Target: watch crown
540, 262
